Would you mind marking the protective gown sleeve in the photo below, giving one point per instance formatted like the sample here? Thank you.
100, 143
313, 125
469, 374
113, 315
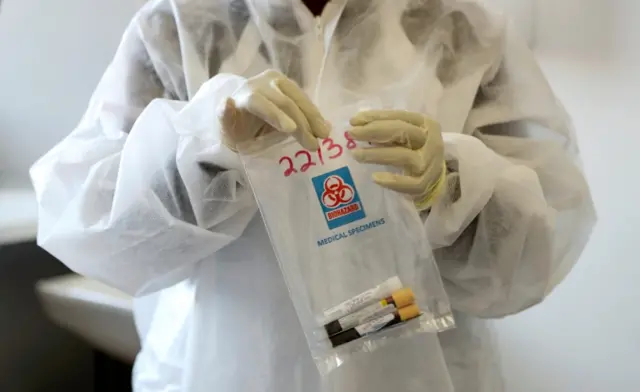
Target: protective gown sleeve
517, 211
142, 189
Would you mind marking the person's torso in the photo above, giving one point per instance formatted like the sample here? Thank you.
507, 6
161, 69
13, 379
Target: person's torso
242, 334
415, 55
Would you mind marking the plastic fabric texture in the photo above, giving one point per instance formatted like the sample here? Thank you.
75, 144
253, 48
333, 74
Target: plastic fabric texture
143, 194
336, 234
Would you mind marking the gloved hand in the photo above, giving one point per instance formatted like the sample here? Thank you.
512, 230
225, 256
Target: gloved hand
409, 141
271, 102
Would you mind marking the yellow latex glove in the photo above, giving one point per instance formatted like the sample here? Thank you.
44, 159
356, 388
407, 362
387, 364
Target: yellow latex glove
271, 102
406, 140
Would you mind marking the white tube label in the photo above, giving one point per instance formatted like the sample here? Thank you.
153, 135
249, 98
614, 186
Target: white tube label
375, 325
367, 314
375, 294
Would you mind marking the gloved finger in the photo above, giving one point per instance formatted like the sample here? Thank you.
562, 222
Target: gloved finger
319, 126
390, 132
368, 116
303, 131
414, 186
263, 108
307, 141
393, 156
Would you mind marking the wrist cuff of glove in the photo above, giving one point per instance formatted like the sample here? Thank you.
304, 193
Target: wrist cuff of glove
432, 193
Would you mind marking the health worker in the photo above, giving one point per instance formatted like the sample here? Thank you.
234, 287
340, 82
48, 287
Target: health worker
148, 194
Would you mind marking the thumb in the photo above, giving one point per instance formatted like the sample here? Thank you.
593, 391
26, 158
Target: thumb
229, 118
229, 115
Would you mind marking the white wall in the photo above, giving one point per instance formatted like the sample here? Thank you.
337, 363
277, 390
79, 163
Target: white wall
52, 55
586, 336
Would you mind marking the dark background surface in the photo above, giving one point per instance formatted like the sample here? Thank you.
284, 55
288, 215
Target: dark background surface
35, 354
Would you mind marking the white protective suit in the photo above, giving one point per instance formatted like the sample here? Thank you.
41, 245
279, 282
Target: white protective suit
142, 195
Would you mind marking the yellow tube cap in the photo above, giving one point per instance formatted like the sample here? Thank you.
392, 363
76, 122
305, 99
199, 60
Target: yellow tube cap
403, 297
409, 312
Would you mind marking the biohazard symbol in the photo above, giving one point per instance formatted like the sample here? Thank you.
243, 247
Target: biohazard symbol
336, 192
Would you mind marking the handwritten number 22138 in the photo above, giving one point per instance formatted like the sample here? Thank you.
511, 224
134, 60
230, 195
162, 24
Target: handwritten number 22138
332, 149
